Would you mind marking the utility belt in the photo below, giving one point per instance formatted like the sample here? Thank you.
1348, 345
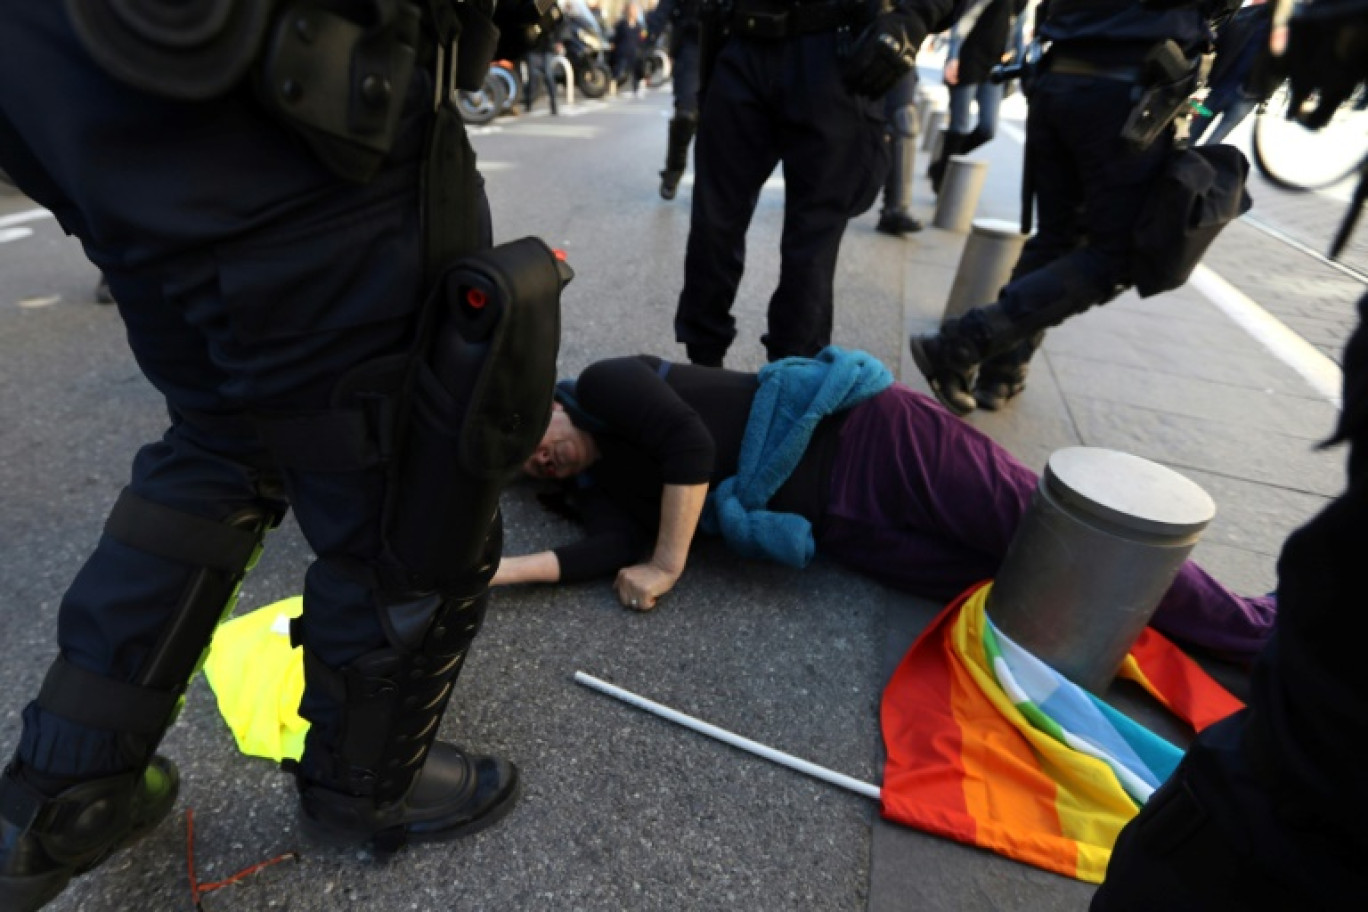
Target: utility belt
1165, 79
773, 20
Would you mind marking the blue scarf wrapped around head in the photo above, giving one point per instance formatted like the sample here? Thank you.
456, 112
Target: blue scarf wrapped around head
794, 395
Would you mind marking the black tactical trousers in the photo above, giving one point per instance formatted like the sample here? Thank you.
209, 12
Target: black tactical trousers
772, 102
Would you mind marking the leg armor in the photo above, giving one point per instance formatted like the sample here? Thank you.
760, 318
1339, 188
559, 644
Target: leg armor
51, 828
682, 129
452, 424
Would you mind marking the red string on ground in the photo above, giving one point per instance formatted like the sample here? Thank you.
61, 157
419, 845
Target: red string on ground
197, 889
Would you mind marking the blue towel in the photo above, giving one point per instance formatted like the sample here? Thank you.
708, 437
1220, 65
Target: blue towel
794, 395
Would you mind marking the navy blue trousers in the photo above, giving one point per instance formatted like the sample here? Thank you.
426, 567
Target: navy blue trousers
770, 102
250, 279
1090, 188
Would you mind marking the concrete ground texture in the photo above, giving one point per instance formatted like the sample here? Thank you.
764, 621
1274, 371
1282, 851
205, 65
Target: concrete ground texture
1230, 381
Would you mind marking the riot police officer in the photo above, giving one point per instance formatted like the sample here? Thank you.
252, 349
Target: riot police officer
799, 83
1266, 810
680, 18
1090, 184
271, 191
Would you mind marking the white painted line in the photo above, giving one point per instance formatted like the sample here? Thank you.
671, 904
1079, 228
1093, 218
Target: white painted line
560, 131
488, 167
14, 234
1016, 133
19, 218
43, 301
1323, 374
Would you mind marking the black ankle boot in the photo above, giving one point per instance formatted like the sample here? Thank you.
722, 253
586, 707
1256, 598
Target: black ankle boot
993, 393
454, 795
949, 360
897, 223
669, 183
47, 840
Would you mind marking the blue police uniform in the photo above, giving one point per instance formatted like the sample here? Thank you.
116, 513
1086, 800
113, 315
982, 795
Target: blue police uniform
252, 280
776, 94
1090, 186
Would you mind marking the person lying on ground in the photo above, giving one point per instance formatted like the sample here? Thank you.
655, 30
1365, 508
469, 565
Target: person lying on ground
893, 486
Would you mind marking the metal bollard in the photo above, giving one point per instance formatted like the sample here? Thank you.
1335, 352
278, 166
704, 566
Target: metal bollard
985, 265
564, 64
933, 129
1102, 541
959, 193
924, 104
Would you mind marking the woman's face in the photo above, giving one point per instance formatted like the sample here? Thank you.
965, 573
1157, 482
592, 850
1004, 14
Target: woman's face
565, 450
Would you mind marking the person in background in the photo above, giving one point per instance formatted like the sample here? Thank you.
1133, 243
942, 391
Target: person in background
1241, 77
900, 115
629, 37
680, 19
978, 42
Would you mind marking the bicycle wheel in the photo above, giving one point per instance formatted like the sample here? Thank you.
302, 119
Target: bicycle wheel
1296, 158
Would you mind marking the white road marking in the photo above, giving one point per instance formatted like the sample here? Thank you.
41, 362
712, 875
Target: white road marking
19, 218
43, 301
14, 234
1323, 374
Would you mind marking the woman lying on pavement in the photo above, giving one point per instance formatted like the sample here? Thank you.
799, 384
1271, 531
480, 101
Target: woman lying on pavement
892, 485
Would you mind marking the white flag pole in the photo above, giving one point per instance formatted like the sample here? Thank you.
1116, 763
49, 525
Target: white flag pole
712, 731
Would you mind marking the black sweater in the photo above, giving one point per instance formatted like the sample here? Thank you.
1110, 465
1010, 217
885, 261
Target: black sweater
659, 423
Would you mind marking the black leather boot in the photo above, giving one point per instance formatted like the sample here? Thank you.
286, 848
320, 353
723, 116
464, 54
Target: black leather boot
677, 155
46, 839
380, 777
949, 361
454, 795
951, 144
1003, 377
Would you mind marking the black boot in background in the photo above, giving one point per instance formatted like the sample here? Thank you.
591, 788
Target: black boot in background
951, 144
677, 155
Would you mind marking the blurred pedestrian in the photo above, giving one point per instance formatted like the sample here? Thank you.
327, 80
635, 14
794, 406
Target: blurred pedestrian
978, 42
679, 20
629, 37
1241, 76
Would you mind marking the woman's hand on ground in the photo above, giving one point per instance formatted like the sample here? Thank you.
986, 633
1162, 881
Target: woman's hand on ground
639, 587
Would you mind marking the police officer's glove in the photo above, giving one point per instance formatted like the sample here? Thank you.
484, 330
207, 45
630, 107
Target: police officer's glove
1326, 59
883, 53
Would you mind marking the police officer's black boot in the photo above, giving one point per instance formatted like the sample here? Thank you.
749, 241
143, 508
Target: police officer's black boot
677, 155
50, 833
950, 359
951, 144
380, 777
1002, 378
896, 217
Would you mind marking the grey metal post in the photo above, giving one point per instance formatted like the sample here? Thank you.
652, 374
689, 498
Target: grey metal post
1101, 542
959, 193
933, 129
985, 264
925, 104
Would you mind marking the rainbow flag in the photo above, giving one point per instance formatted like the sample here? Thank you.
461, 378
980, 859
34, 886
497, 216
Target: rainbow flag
989, 746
